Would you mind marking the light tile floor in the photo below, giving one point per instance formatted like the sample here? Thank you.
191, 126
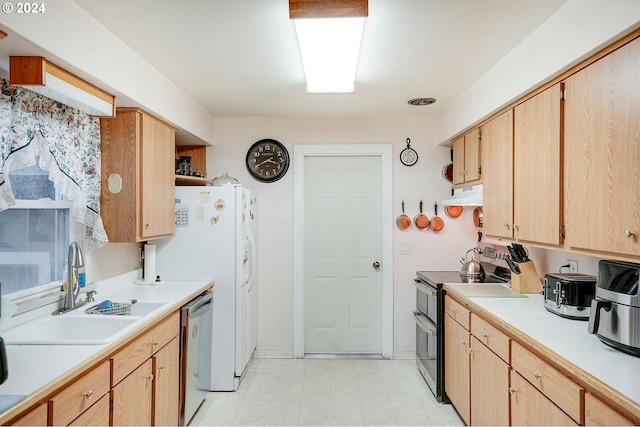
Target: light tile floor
325, 392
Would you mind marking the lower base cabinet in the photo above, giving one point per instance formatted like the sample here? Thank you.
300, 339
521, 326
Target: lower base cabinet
166, 385
457, 367
598, 413
131, 398
36, 417
489, 387
529, 407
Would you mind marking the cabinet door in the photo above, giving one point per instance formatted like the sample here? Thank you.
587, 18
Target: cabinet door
132, 398
472, 156
157, 179
529, 407
602, 153
166, 364
537, 154
489, 387
458, 160
456, 367
497, 176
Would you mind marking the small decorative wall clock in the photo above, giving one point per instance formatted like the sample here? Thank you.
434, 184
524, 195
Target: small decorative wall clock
408, 156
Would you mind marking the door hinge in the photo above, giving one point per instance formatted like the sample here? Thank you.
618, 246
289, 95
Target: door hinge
562, 231
110, 405
479, 170
479, 135
563, 94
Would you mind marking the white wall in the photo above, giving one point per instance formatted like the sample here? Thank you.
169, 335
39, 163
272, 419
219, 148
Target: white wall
431, 251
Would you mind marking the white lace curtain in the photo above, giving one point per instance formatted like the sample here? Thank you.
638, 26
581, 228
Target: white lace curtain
67, 143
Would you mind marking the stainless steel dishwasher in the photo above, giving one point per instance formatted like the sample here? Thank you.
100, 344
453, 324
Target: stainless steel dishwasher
196, 323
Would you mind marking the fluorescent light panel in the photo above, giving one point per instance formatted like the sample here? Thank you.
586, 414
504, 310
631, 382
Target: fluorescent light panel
330, 48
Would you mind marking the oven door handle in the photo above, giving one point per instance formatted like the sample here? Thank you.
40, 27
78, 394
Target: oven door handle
423, 287
423, 322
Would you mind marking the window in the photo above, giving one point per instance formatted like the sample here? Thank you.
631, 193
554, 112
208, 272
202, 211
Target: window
34, 233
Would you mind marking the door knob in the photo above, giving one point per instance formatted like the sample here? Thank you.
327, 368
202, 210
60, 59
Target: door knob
376, 265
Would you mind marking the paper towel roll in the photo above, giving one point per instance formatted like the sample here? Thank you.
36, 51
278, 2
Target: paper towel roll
149, 263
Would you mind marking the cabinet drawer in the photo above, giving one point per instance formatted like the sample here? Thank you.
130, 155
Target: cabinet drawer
553, 384
457, 311
139, 350
97, 415
490, 336
80, 395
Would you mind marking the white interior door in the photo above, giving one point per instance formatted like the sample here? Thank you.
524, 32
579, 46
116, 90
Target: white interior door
343, 241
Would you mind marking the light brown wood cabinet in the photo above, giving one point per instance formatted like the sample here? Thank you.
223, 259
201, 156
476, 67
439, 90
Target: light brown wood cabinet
457, 367
529, 407
598, 413
79, 396
96, 415
145, 377
35, 417
166, 385
466, 159
198, 154
562, 391
132, 398
537, 152
489, 386
138, 176
602, 150
497, 177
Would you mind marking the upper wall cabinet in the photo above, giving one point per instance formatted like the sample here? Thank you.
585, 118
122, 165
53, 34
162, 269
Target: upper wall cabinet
537, 148
137, 176
497, 155
466, 159
602, 154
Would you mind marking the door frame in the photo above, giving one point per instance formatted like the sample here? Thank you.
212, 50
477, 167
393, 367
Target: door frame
385, 152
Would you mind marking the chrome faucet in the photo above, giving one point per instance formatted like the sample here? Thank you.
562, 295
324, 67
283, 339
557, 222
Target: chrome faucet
75, 260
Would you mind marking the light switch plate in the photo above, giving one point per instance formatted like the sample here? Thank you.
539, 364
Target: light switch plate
405, 247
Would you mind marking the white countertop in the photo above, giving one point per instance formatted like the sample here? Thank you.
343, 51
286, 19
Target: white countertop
32, 367
568, 338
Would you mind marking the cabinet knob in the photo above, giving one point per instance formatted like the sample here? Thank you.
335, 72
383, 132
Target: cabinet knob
149, 377
516, 227
470, 350
506, 224
87, 395
537, 375
512, 390
147, 225
629, 234
161, 367
154, 343
485, 336
464, 343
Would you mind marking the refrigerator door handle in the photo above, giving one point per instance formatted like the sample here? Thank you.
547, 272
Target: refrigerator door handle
252, 255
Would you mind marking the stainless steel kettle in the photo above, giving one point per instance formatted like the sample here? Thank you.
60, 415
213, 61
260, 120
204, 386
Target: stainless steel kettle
472, 270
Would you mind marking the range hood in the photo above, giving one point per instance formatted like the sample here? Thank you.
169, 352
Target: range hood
465, 196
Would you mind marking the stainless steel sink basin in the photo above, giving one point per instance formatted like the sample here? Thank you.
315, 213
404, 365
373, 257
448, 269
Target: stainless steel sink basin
70, 329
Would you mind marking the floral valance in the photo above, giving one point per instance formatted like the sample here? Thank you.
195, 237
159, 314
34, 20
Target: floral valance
64, 141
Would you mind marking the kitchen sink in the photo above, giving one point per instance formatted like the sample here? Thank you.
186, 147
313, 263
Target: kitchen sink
126, 308
70, 329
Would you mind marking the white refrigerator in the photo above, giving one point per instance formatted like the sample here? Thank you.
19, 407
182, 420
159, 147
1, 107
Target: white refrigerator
214, 240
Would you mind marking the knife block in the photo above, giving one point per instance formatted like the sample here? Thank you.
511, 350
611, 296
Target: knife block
528, 281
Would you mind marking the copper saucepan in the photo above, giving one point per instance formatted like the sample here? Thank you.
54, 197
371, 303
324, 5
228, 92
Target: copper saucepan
453, 211
421, 220
403, 221
436, 223
477, 220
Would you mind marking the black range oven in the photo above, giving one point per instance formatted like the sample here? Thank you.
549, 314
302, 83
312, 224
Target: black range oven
429, 318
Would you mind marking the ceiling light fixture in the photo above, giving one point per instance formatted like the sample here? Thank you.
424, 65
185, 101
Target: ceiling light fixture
421, 101
329, 35
49, 80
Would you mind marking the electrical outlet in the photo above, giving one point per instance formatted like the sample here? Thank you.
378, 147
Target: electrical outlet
573, 266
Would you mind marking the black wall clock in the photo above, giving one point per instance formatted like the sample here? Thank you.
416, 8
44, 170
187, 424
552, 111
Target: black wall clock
267, 160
